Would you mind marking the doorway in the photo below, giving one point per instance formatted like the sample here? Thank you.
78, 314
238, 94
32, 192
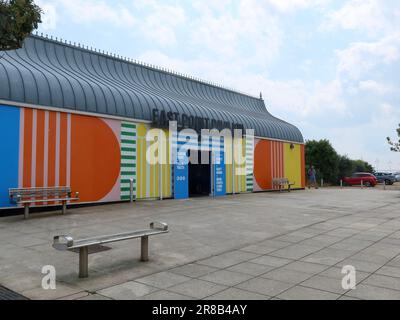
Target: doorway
200, 175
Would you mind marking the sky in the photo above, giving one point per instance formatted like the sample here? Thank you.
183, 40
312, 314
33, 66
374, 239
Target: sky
330, 67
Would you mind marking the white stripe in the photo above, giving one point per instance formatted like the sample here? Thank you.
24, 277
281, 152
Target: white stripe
147, 175
127, 137
128, 153
33, 161
57, 164
21, 148
68, 160
46, 149
127, 161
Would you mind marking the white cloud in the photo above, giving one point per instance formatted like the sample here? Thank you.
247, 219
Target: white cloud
361, 57
375, 87
49, 16
90, 11
248, 35
290, 5
162, 21
367, 140
369, 15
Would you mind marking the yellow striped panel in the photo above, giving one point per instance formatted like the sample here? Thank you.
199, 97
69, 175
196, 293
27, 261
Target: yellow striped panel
292, 164
141, 161
148, 174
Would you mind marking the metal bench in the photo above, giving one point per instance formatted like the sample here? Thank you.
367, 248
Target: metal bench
281, 183
28, 196
64, 242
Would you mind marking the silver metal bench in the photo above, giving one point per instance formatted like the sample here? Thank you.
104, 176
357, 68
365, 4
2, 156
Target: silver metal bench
64, 242
29, 196
281, 183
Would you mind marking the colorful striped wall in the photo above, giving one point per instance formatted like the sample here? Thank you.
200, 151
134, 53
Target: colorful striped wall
148, 174
276, 159
98, 157
241, 167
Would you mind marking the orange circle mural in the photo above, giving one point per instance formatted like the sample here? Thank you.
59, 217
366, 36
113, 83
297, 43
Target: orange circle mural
95, 158
262, 164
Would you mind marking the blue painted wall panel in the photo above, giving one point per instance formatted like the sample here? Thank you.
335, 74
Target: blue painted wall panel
219, 171
9, 151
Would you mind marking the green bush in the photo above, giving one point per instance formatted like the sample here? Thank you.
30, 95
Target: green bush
329, 165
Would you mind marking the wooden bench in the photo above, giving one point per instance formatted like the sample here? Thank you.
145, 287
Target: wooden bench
64, 242
28, 196
281, 183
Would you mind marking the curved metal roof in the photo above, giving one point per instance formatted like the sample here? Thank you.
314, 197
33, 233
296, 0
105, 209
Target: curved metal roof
52, 73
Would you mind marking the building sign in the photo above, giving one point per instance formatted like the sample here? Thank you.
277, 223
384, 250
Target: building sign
161, 118
219, 171
181, 174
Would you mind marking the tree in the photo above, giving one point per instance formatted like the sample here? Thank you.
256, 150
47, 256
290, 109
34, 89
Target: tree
395, 146
329, 164
18, 18
362, 166
346, 167
324, 158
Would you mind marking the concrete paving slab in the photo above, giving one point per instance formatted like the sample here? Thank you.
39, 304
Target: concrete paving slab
127, 291
378, 280
306, 267
389, 271
295, 252
237, 294
303, 293
193, 270
250, 268
264, 286
325, 284
271, 261
227, 278
165, 295
228, 259
196, 288
163, 279
287, 275
367, 292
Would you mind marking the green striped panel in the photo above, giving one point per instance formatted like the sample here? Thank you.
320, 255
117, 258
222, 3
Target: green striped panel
128, 159
249, 163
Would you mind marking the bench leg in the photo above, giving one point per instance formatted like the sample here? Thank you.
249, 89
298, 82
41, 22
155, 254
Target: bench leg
26, 211
64, 207
144, 253
83, 262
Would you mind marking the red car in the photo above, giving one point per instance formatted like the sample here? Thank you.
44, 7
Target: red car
368, 179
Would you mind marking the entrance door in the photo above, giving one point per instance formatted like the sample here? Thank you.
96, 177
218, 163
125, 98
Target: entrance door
200, 176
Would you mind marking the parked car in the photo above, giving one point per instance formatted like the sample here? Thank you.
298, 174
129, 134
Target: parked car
368, 179
386, 178
397, 176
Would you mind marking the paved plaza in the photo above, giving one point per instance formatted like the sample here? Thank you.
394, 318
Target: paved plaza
248, 246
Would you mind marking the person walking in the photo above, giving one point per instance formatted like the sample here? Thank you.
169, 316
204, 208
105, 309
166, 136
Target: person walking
312, 177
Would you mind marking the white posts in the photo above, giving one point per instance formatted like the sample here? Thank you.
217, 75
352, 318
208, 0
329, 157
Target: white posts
131, 189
